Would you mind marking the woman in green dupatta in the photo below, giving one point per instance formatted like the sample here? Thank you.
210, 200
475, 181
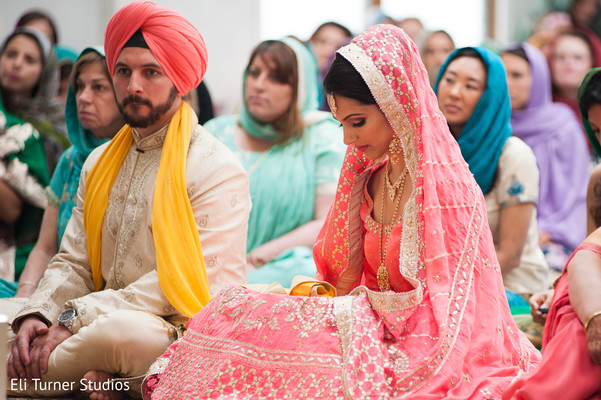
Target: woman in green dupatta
93, 118
292, 154
23, 176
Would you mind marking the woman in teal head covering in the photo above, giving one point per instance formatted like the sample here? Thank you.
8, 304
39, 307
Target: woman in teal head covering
473, 96
292, 154
92, 118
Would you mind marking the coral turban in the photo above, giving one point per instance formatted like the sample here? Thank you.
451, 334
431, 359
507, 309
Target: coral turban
172, 40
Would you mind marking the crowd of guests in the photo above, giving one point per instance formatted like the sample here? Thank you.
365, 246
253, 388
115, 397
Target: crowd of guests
365, 226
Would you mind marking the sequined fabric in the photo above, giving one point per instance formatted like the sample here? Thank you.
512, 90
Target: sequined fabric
450, 336
442, 337
295, 351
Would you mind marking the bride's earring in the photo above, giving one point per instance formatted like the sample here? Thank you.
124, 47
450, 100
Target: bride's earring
332, 103
394, 148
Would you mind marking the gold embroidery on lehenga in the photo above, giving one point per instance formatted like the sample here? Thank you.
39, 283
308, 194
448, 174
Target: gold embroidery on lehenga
344, 321
304, 315
398, 358
369, 65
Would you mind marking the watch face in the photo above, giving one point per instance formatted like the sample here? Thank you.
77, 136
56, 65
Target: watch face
67, 315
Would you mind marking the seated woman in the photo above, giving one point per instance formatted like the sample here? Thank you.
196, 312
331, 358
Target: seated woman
92, 118
421, 311
473, 96
546, 29
556, 137
65, 56
292, 154
31, 93
23, 168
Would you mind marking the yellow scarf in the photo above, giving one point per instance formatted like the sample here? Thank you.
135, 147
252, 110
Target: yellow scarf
180, 263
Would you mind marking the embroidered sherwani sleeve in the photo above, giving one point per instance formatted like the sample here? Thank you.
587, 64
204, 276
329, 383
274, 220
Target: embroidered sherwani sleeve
144, 294
218, 192
220, 200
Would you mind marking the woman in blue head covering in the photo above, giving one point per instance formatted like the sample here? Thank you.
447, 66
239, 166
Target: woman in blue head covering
473, 96
92, 118
293, 155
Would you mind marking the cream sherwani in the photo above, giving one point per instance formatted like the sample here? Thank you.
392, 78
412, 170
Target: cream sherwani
124, 327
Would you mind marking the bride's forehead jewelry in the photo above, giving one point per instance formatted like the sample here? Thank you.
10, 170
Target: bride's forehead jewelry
332, 104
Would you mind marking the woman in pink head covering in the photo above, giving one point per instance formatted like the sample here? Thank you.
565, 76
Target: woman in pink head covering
421, 309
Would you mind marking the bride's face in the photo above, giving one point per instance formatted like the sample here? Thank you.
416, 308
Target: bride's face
364, 126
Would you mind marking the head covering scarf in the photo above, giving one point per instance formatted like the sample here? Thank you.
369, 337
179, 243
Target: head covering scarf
65, 55
48, 83
65, 178
83, 140
44, 110
556, 138
307, 98
172, 40
180, 263
452, 335
587, 126
293, 205
482, 138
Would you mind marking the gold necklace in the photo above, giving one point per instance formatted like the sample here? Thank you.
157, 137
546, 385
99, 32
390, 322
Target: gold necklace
382, 275
393, 188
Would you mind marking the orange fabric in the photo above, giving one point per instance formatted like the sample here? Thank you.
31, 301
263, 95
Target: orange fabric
173, 40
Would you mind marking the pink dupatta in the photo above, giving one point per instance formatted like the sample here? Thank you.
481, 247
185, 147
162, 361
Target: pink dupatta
452, 335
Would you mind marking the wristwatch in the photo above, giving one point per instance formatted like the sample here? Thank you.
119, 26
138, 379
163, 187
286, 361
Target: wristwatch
67, 318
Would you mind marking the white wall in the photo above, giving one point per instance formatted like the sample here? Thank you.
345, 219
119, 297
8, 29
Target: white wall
300, 18
231, 28
464, 20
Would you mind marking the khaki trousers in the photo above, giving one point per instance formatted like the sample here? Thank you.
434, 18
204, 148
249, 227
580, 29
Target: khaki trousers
123, 343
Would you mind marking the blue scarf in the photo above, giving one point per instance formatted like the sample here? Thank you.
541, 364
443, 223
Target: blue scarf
482, 138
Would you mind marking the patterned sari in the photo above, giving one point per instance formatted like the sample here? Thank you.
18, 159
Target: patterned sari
451, 335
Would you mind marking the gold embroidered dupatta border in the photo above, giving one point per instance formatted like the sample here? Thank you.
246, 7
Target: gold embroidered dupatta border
389, 63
